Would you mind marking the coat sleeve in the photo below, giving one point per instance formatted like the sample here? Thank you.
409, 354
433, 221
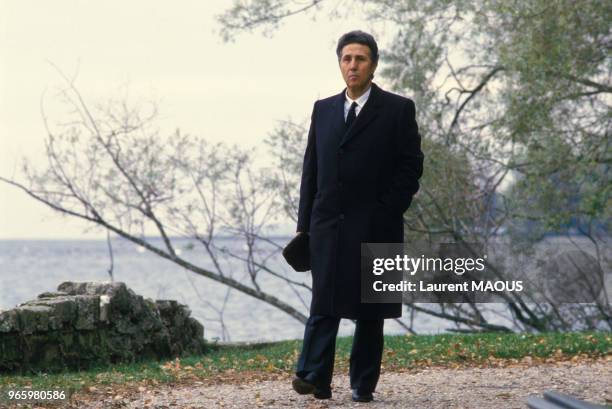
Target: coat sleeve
308, 185
408, 161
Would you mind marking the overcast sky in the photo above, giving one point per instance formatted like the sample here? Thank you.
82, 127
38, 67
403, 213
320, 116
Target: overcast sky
168, 52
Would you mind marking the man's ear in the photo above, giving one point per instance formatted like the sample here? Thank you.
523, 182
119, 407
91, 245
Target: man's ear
374, 70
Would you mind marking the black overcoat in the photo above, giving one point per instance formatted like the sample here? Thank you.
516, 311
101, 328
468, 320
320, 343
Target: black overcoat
356, 185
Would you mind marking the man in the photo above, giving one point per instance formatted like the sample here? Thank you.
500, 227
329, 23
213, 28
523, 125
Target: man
361, 168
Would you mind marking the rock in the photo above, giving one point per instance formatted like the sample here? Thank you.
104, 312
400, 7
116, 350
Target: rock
118, 293
51, 294
88, 311
33, 318
177, 316
85, 323
63, 310
9, 321
104, 307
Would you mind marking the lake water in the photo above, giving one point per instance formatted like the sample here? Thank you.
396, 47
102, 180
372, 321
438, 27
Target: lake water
30, 267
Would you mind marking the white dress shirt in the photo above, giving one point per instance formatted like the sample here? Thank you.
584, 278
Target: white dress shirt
360, 102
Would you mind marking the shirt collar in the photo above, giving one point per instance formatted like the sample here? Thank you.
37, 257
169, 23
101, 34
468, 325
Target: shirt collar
361, 100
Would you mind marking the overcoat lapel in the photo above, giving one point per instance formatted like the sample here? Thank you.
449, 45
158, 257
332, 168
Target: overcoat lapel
366, 115
338, 124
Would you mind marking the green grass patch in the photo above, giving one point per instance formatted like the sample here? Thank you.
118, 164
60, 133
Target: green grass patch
281, 357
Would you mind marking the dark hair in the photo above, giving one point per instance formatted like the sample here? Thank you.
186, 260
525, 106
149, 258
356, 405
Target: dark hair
359, 37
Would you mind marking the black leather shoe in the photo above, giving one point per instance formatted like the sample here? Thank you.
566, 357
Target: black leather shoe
362, 397
323, 393
303, 387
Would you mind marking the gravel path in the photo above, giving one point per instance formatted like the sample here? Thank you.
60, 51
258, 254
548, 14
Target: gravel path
472, 388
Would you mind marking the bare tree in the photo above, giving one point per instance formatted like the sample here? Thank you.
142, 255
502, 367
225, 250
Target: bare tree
109, 166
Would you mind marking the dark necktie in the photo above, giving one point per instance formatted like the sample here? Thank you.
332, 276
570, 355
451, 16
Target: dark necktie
350, 118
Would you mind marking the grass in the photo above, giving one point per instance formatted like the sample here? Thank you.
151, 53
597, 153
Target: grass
401, 352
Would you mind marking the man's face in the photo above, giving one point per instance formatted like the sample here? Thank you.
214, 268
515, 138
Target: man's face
356, 65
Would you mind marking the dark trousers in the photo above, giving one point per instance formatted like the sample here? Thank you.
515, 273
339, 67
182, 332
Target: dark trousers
316, 362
